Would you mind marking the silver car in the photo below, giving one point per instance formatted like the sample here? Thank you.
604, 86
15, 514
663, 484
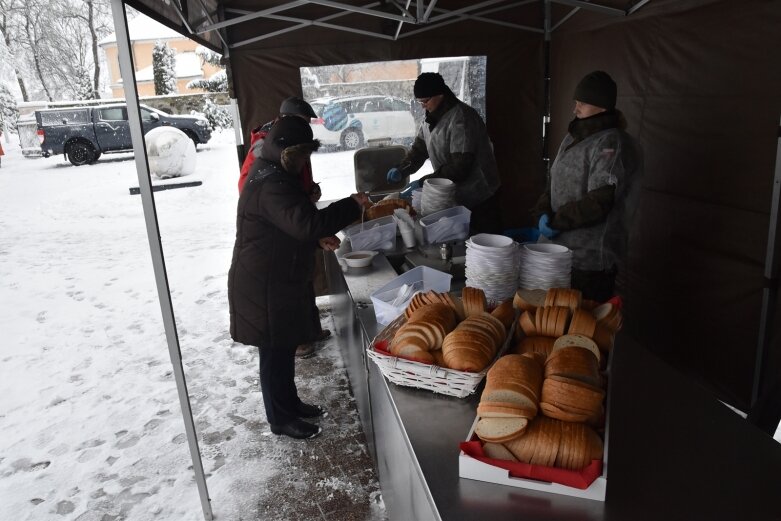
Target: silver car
349, 122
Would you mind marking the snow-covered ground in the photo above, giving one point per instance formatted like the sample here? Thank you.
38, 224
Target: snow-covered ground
89, 417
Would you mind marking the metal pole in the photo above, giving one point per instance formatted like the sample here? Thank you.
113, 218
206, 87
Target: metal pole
770, 291
155, 246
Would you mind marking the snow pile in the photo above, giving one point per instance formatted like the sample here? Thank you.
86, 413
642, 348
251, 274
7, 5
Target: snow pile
171, 153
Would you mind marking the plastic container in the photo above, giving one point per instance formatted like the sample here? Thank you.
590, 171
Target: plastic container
391, 300
378, 234
446, 225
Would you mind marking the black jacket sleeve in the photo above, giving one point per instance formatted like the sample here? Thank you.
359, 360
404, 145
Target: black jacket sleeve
415, 157
590, 210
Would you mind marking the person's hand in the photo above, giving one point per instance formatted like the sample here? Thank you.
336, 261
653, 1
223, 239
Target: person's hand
329, 243
406, 193
362, 198
544, 227
394, 175
315, 194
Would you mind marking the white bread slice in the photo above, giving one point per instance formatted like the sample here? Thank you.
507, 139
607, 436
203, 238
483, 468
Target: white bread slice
499, 430
506, 395
529, 299
498, 451
577, 341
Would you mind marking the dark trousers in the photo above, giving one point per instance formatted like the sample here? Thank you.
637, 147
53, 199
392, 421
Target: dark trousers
277, 383
595, 285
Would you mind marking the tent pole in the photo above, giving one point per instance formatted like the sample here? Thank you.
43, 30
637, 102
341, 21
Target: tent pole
770, 291
155, 246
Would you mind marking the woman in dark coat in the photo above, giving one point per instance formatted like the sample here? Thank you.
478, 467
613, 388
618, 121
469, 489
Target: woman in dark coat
269, 283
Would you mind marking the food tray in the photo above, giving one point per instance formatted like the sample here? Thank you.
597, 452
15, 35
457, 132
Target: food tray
424, 376
421, 278
589, 483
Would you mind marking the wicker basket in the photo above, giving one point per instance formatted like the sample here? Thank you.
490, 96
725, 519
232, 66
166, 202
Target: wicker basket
424, 376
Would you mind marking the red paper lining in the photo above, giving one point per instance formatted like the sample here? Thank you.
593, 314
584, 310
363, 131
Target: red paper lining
572, 478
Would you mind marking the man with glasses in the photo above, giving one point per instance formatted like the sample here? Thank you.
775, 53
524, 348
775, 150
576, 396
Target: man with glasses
453, 136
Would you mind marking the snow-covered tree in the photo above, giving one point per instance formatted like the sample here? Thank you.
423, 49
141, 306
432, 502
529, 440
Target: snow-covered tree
208, 56
84, 87
164, 69
10, 114
217, 82
51, 43
217, 116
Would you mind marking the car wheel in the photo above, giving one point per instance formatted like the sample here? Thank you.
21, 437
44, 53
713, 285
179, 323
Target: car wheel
95, 158
192, 136
80, 153
352, 139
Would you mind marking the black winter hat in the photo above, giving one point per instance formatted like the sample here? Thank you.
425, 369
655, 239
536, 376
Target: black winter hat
288, 132
430, 84
295, 106
597, 88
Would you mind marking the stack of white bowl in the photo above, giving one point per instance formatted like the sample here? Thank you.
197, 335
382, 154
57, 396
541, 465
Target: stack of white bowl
438, 194
492, 265
544, 266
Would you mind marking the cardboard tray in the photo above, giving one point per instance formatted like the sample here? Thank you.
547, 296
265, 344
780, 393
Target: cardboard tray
589, 483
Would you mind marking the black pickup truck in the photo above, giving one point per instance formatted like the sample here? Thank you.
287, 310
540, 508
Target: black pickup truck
84, 133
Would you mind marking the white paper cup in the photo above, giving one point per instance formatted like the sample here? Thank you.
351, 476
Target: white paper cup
408, 236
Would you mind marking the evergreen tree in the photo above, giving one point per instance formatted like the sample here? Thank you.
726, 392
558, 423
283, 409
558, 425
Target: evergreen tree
209, 56
10, 114
84, 87
164, 69
218, 82
215, 115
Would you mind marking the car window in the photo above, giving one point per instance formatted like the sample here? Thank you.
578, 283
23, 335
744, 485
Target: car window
64, 117
113, 114
398, 104
318, 108
146, 114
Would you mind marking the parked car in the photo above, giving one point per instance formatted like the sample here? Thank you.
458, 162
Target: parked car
84, 133
349, 122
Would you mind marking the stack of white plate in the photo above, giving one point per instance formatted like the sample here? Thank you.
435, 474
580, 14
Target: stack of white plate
438, 194
417, 195
492, 265
544, 266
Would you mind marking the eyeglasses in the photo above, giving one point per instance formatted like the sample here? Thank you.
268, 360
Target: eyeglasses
423, 101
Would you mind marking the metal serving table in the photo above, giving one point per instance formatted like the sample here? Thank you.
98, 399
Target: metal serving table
675, 451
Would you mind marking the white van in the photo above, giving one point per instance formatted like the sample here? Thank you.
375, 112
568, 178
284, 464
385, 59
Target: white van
362, 118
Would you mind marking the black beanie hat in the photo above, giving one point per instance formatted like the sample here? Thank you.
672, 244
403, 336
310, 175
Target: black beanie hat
288, 132
430, 84
597, 88
295, 106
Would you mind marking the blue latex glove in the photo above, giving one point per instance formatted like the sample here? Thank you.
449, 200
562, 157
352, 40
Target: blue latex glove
406, 193
545, 229
394, 175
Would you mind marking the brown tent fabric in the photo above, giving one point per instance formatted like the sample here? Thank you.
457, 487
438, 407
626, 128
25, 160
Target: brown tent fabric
263, 77
701, 89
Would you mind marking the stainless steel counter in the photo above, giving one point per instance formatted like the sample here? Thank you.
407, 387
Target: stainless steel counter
675, 451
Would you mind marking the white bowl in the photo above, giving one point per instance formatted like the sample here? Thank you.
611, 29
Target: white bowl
545, 247
488, 240
359, 259
439, 182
